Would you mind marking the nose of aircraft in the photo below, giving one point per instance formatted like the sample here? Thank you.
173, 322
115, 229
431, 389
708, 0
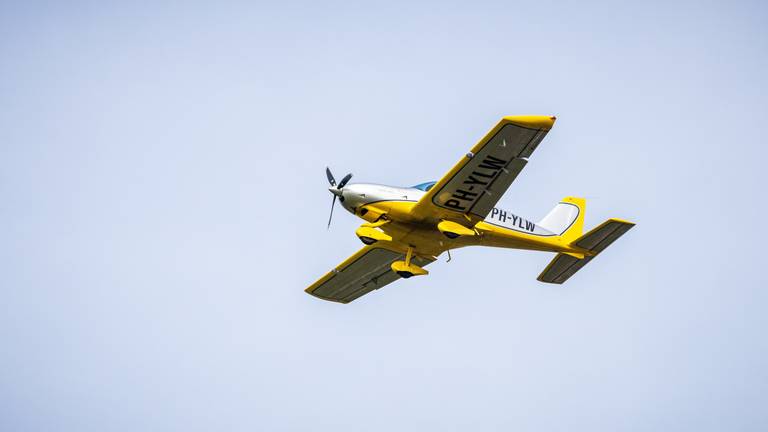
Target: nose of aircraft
349, 197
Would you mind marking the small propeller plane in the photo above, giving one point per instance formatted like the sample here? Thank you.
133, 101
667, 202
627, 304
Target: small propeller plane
408, 228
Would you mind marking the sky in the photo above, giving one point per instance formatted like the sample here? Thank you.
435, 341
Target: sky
164, 206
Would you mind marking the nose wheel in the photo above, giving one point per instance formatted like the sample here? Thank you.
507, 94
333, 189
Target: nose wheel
367, 240
370, 233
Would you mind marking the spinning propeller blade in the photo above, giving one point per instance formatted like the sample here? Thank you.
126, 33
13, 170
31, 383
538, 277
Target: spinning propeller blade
333, 203
336, 190
345, 180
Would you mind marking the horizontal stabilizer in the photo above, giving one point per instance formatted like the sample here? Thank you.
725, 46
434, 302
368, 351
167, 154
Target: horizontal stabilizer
563, 266
603, 235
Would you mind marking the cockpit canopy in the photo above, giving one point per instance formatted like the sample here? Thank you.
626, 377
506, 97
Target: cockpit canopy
424, 186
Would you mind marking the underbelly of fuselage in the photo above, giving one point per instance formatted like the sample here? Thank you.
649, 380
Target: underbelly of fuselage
427, 240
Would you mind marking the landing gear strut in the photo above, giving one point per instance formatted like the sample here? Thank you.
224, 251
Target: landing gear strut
406, 269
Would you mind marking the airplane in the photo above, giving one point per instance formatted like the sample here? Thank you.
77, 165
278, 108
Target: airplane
407, 228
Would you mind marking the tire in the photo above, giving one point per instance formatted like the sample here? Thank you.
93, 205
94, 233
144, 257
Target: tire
405, 274
367, 240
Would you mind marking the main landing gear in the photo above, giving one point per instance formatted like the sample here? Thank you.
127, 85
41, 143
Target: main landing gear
406, 269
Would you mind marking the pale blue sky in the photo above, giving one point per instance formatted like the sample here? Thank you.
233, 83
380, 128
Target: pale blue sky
164, 207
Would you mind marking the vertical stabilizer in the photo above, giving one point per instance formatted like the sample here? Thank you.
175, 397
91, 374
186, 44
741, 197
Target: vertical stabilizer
566, 219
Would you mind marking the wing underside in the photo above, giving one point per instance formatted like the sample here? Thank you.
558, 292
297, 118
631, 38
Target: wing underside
480, 178
367, 270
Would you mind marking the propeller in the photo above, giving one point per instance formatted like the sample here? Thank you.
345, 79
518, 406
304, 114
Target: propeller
336, 190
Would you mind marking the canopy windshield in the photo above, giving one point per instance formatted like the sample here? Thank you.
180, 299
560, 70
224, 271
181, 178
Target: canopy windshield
424, 186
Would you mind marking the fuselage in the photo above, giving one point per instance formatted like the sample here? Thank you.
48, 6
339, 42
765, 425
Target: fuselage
388, 208
359, 196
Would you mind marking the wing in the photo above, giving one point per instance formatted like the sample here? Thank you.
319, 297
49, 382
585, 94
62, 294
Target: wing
365, 271
476, 183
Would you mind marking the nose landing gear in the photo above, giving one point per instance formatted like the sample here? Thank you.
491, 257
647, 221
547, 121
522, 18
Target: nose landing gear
370, 235
367, 240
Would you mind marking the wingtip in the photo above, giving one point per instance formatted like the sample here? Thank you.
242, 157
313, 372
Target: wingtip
623, 221
532, 121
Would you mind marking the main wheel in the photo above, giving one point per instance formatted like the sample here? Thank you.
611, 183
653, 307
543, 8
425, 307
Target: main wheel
405, 274
368, 240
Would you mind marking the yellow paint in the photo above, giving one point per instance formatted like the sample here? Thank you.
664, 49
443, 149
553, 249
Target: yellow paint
577, 229
428, 241
402, 266
455, 228
373, 233
532, 121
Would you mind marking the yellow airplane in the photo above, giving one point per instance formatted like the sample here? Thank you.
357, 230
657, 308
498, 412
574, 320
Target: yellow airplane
408, 228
